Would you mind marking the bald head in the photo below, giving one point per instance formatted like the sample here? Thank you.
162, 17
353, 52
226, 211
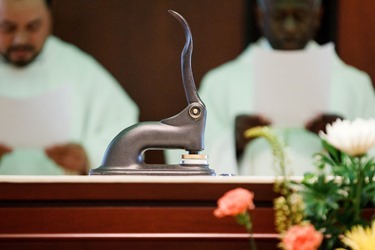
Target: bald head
24, 28
289, 24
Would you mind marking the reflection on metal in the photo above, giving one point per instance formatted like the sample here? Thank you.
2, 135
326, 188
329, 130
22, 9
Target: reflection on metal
124, 155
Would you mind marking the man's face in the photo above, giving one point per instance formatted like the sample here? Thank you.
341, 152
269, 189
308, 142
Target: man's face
24, 27
289, 24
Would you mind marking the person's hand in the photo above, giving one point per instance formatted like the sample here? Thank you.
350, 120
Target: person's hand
243, 123
72, 157
320, 122
4, 150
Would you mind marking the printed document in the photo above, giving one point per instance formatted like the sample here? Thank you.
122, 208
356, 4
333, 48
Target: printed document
35, 122
292, 87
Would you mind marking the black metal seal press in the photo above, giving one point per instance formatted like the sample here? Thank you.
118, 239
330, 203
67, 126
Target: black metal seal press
124, 155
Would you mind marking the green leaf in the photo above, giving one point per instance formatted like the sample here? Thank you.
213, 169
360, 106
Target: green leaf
332, 151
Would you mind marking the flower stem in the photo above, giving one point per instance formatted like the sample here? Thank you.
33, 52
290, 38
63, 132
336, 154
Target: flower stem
357, 201
252, 242
249, 228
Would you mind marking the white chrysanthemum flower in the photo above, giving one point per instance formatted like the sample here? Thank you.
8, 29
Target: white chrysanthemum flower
352, 137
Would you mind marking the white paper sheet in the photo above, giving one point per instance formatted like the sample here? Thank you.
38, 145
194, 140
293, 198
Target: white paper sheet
35, 122
292, 87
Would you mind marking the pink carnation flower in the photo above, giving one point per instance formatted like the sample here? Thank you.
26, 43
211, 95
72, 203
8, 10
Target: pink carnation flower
234, 202
302, 237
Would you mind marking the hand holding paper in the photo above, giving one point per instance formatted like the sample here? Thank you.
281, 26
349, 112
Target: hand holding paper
243, 123
4, 149
72, 157
320, 122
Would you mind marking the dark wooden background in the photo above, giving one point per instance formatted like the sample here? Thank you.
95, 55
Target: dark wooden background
140, 43
356, 34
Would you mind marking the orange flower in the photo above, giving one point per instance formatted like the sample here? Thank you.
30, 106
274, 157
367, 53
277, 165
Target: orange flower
234, 202
302, 237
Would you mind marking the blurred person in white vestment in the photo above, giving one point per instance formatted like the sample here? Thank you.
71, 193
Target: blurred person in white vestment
33, 62
227, 91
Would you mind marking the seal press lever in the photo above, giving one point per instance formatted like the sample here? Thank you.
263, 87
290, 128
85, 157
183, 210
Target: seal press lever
124, 155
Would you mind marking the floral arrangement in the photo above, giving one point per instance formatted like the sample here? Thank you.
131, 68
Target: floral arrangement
344, 185
324, 210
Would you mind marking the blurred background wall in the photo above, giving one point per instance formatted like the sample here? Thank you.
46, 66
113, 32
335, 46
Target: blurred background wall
140, 43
